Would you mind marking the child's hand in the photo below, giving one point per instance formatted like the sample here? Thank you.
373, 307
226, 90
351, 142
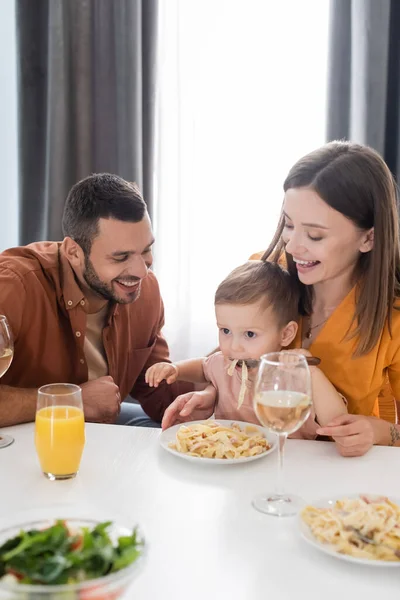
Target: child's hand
307, 354
302, 351
156, 373
192, 406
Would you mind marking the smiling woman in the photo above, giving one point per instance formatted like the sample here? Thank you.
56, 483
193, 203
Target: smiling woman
325, 251
340, 237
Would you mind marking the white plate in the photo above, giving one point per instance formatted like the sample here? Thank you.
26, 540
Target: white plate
307, 535
169, 435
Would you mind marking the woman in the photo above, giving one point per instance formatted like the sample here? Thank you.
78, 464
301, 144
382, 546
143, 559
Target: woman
339, 234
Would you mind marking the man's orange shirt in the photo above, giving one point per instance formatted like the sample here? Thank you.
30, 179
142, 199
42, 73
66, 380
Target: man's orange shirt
46, 309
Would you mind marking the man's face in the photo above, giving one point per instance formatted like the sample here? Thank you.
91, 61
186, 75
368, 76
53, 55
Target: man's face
119, 259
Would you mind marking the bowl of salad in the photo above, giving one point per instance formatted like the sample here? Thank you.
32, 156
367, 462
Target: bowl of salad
69, 559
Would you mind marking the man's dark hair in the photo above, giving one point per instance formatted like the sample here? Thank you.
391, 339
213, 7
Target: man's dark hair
100, 196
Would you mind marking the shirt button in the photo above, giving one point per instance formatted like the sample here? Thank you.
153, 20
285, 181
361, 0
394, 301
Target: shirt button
78, 333
69, 302
82, 302
82, 361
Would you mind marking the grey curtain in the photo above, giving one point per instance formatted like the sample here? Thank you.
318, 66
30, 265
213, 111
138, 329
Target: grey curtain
364, 75
86, 84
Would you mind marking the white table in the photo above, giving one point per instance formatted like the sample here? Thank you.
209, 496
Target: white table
206, 541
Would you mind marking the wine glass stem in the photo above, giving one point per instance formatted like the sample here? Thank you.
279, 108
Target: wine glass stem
280, 479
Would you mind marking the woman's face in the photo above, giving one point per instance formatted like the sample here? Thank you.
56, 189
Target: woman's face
324, 243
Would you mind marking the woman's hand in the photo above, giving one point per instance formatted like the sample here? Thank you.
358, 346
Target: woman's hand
192, 406
354, 435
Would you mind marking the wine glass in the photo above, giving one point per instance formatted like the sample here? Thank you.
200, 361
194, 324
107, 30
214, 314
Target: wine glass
282, 402
6, 356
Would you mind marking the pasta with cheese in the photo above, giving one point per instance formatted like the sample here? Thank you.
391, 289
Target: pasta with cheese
361, 527
210, 439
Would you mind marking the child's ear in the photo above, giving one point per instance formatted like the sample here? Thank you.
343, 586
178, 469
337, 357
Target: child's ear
289, 333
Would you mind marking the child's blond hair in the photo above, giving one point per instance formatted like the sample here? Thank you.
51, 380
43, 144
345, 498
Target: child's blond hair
258, 280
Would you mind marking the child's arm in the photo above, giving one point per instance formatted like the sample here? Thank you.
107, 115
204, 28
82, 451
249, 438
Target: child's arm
184, 370
328, 403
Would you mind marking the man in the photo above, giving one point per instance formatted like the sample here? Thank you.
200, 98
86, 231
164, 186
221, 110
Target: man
86, 310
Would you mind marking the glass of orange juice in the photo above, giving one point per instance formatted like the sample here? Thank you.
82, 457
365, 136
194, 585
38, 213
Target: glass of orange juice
59, 430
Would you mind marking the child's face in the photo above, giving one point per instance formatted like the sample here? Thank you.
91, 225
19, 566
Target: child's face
250, 331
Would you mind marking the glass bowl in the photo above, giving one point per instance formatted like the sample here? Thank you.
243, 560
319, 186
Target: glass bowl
109, 587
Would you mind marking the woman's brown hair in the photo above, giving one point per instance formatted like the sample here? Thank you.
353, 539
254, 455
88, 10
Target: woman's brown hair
354, 180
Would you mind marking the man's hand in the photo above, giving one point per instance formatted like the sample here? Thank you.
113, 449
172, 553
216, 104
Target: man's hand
101, 400
192, 406
163, 370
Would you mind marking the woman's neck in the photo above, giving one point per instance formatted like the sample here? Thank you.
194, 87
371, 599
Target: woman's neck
329, 294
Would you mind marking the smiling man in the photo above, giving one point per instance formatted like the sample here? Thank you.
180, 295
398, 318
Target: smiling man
87, 310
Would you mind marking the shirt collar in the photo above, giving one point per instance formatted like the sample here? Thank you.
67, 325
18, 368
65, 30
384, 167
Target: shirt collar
72, 293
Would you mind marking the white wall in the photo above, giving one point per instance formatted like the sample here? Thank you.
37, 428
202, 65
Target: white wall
242, 98
8, 127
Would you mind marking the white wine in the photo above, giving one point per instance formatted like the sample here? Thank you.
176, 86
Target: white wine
5, 360
282, 411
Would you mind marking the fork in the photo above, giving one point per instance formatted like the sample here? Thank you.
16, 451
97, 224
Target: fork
368, 540
252, 363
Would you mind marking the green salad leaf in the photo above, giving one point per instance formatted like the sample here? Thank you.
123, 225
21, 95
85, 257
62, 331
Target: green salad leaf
57, 555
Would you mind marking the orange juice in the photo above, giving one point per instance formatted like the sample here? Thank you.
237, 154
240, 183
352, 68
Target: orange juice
59, 439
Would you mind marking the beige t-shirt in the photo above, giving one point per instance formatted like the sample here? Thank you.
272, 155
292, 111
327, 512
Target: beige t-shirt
93, 347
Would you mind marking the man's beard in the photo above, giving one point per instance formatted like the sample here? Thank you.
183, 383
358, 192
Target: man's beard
105, 290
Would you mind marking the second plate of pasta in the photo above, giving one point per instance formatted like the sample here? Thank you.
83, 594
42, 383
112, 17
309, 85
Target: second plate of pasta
359, 528
218, 441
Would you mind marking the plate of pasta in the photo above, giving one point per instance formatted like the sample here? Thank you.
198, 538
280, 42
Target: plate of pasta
218, 442
359, 528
